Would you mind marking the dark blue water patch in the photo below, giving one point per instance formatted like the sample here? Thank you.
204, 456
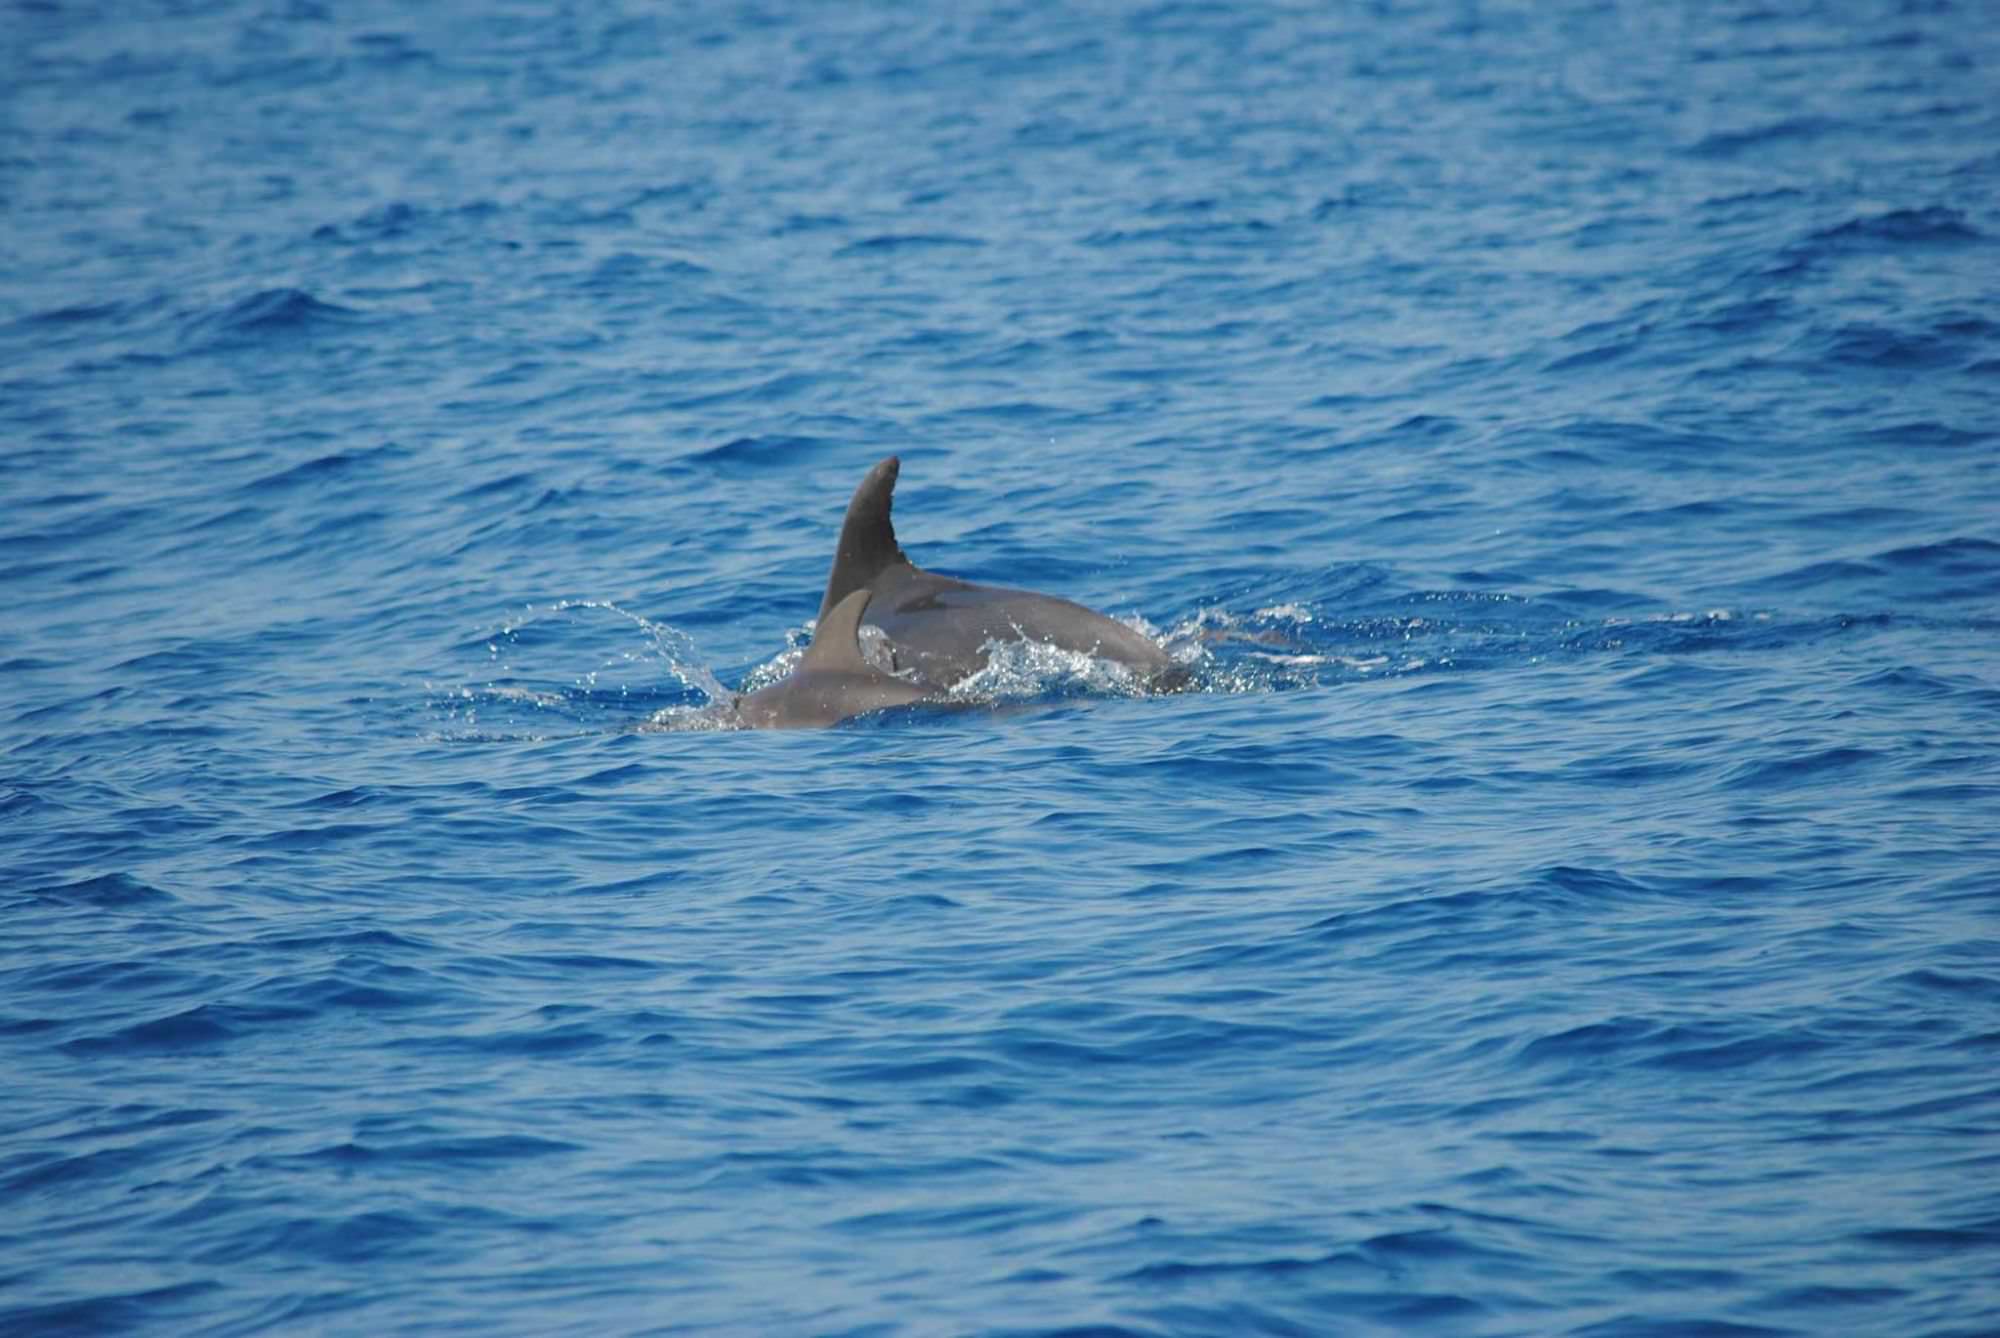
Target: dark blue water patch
82, 318
1175, 238
1713, 1047
1685, 1278
810, 223
354, 1238
887, 244
373, 942
1844, 764
395, 219
340, 993
1981, 1235
1828, 1298
1602, 344
205, 1028
1428, 427
11, 1025
399, 220
1968, 325
1911, 682
73, 315
1971, 795
112, 1312
1593, 439
1611, 1041
1381, 1304
1055, 1331
559, 965
1971, 989
352, 797
545, 1043
1021, 355
1419, 924
1773, 135
235, 518
1352, 1262
268, 319
518, 373
1738, 200
1933, 574
762, 453
112, 891
1970, 565
784, 388
314, 474
97, 522
644, 279
1869, 345
390, 1157
42, 1172
1636, 1326
1740, 318
1928, 226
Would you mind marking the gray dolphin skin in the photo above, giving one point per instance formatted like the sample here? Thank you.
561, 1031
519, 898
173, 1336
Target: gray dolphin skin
831, 682
938, 628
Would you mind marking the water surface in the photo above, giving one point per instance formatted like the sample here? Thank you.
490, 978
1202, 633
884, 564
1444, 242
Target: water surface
1561, 437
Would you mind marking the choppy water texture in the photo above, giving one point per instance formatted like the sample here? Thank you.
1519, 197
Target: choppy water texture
1563, 436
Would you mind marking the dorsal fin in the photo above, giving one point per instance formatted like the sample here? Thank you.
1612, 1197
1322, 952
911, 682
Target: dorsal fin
867, 539
836, 643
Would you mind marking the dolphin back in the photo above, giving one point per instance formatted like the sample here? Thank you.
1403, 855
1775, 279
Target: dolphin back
832, 680
939, 629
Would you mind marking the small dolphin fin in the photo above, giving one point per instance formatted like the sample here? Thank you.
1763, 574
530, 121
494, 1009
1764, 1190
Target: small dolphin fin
867, 539
836, 643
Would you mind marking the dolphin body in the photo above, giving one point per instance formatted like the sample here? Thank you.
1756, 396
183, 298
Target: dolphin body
831, 682
939, 628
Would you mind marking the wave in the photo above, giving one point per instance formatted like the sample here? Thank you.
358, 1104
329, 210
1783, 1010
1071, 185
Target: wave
263, 316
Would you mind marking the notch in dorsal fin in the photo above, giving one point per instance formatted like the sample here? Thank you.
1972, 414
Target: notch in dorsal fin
867, 539
836, 643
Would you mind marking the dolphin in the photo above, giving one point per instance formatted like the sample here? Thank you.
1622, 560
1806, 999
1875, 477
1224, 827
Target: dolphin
938, 629
831, 682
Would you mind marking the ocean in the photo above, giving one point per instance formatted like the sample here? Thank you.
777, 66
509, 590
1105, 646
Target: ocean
1561, 441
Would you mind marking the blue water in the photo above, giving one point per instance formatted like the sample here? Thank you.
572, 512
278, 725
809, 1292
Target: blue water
1563, 440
